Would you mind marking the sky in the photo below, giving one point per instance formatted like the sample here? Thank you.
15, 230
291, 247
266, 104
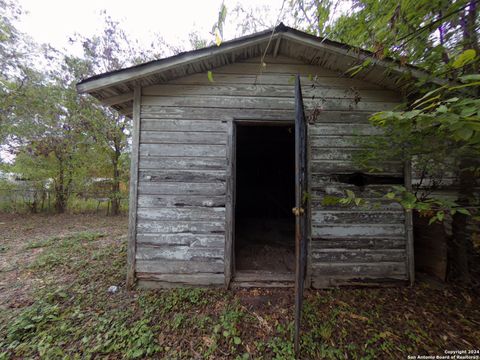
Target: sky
54, 21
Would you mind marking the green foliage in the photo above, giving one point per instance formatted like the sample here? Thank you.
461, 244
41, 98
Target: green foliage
465, 58
217, 29
226, 330
60, 250
438, 133
210, 76
351, 199
282, 345
435, 207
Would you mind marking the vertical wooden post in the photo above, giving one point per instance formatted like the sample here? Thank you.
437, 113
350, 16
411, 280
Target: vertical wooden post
132, 207
407, 175
229, 205
301, 204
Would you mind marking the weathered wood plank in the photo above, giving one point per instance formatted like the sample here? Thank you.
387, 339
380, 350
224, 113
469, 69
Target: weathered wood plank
180, 201
132, 214
178, 188
156, 253
176, 66
182, 150
263, 276
360, 230
382, 269
321, 129
182, 163
336, 141
179, 214
215, 114
171, 227
182, 239
354, 256
118, 99
409, 226
183, 125
156, 281
274, 79
179, 266
229, 206
323, 282
183, 137
344, 154
159, 112
282, 91
320, 189
201, 176
242, 102
342, 117
341, 166
289, 69
373, 204
353, 216
269, 59
358, 243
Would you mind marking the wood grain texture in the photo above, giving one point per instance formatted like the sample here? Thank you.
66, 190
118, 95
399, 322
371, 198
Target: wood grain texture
171, 227
182, 163
181, 201
182, 213
356, 243
201, 150
380, 269
183, 137
182, 239
152, 103
353, 216
409, 226
201, 176
179, 266
177, 280
189, 253
359, 230
132, 214
268, 90
181, 188
230, 206
186, 173
183, 125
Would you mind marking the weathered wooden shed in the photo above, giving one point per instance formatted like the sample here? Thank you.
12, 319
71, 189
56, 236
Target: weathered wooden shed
213, 164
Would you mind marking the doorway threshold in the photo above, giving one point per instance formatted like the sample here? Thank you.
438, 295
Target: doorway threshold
261, 278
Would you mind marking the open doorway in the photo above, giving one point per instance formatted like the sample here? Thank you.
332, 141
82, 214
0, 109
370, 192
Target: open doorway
264, 198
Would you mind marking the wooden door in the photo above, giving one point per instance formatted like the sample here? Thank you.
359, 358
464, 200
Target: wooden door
300, 209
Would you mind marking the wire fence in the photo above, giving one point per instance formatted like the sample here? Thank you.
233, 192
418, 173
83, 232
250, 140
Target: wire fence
33, 200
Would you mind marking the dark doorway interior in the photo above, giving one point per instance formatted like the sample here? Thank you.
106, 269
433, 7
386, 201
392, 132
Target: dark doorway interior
265, 196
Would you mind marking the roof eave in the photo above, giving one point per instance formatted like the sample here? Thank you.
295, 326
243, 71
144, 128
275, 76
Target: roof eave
138, 72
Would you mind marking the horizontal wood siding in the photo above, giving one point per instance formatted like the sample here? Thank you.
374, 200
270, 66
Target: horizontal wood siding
351, 244
183, 171
181, 201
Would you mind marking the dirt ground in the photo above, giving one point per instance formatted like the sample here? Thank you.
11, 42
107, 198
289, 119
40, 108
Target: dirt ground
56, 272
19, 231
265, 245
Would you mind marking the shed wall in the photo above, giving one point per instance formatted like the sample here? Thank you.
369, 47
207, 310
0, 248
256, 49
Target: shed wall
183, 167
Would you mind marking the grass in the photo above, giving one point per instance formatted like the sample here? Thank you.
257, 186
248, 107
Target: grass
71, 315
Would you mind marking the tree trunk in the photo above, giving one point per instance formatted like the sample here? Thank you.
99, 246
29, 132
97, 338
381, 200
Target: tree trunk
115, 196
60, 196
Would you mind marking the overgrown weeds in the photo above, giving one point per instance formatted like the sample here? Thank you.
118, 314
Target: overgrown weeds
70, 313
